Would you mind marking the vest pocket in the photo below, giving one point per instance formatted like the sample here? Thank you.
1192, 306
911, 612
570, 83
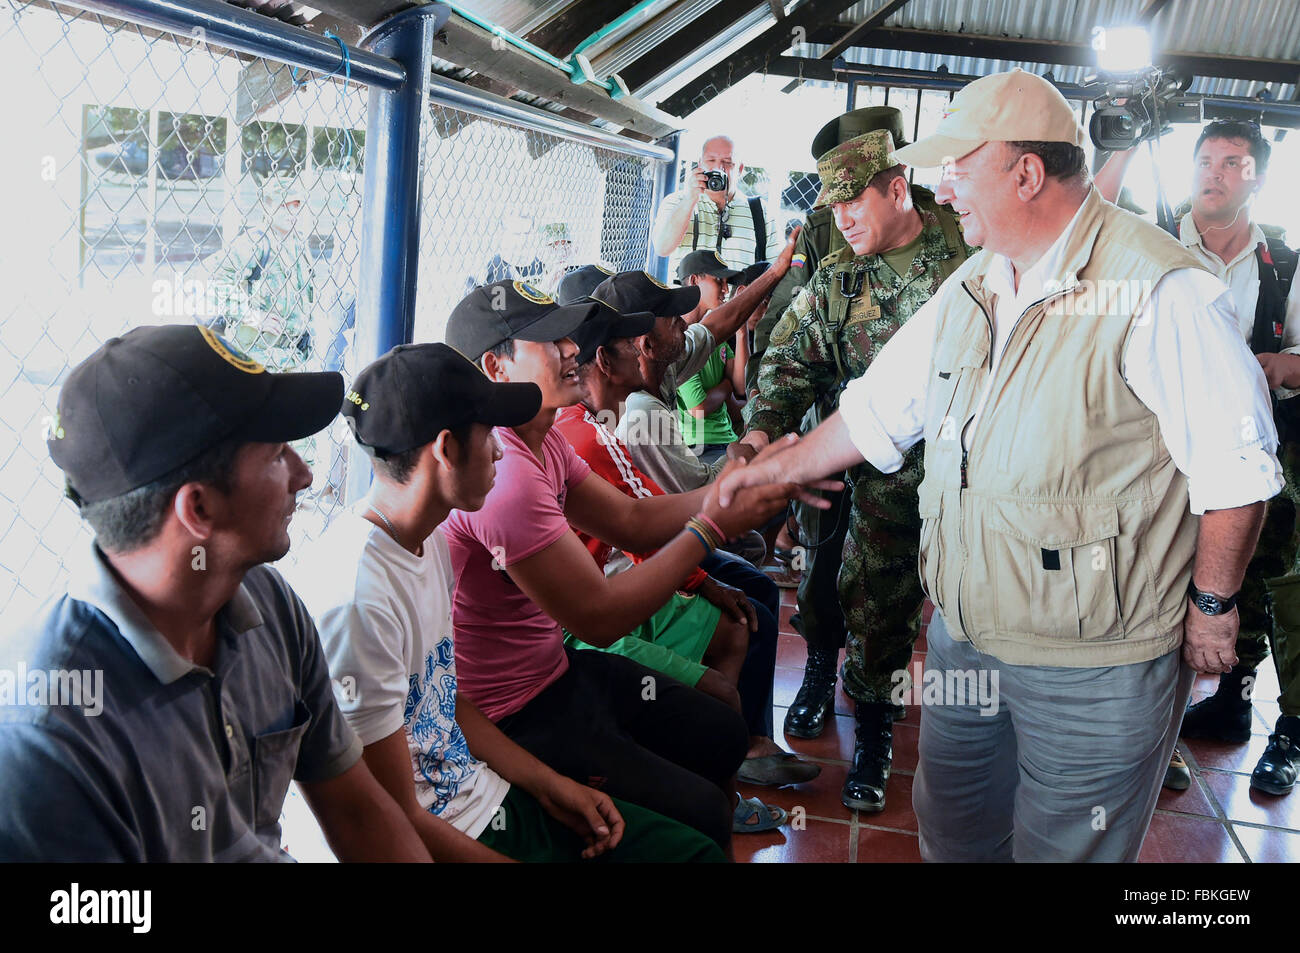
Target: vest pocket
1053, 572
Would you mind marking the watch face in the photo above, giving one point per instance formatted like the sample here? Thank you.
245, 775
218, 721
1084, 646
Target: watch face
1208, 603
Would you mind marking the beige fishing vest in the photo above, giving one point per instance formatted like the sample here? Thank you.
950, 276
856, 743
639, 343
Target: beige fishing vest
1062, 534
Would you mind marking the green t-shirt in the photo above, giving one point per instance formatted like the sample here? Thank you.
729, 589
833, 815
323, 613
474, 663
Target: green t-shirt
900, 259
716, 427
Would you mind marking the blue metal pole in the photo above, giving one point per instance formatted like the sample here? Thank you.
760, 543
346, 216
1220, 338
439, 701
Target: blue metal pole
247, 32
390, 202
390, 207
667, 182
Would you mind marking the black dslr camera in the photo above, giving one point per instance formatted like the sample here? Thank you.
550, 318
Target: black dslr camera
1135, 106
715, 181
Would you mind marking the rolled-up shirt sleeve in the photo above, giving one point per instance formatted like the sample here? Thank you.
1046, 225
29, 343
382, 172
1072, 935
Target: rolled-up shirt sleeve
1186, 361
884, 409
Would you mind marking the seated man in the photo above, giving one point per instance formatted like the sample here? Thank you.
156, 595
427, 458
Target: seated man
521, 574
379, 582
215, 692
604, 341
709, 403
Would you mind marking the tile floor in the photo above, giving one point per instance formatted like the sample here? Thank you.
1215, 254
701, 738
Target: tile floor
1217, 819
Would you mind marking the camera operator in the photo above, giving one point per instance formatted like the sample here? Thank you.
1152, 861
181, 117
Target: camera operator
718, 218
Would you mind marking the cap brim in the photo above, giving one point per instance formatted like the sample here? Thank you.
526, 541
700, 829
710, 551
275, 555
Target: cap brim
934, 151
299, 405
509, 405
558, 323
613, 326
682, 301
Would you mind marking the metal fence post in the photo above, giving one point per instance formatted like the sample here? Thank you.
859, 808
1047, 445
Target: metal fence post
390, 207
667, 184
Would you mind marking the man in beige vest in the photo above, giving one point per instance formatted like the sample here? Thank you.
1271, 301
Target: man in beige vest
1081, 480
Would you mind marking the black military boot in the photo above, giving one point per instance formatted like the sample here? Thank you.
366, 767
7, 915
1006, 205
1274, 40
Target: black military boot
1225, 715
873, 752
1276, 771
806, 717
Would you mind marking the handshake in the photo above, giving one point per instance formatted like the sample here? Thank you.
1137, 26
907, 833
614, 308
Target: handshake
751, 489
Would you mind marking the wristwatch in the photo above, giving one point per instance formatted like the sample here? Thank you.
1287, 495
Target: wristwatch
1209, 603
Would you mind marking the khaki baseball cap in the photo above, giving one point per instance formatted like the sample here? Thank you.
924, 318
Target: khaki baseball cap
846, 169
1004, 107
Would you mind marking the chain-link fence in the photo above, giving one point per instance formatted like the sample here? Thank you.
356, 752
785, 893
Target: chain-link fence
155, 178
506, 202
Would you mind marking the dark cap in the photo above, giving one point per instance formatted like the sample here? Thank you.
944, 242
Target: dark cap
416, 391
706, 262
156, 398
749, 275
578, 284
607, 325
632, 291
510, 310
856, 123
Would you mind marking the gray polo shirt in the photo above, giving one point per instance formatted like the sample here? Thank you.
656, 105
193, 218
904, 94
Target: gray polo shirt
181, 762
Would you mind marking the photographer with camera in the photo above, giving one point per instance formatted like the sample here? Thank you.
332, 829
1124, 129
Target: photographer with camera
709, 214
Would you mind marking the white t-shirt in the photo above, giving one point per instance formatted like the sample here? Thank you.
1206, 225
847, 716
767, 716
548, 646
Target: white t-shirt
384, 617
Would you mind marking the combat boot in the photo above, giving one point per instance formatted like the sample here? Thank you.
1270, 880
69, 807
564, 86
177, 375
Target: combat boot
806, 717
1276, 771
1225, 715
873, 753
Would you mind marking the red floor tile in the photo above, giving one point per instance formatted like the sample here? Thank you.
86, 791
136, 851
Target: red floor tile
820, 842
1240, 803
791, 651
898, 806
887, 847
783, 621
1227, 757
785, 685
1174, 839
1269, 847
921, 644
1266, 715
906, 734
927, 611
835, 742
819, 797
1191, 801
789, 597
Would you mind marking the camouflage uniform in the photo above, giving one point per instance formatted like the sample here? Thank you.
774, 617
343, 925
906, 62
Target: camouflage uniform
831, 332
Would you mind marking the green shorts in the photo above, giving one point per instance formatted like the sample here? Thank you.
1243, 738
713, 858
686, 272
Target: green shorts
671, 641
523, 831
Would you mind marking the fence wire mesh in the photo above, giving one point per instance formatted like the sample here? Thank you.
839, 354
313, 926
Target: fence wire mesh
155, 179
504, 202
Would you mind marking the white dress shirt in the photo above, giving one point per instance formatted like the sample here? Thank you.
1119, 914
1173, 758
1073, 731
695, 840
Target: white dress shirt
1186, 361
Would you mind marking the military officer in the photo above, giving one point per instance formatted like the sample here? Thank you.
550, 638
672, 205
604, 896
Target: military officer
900, 246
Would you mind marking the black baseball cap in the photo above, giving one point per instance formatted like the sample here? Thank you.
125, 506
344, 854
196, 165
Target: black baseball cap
605, 326
632, 291
510, 310
706, 262
750, 274
416, 391
578, 284
156, 398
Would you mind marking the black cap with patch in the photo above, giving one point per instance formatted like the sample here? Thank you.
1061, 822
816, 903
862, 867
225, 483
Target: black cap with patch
706, 262
607, 325
632, 291
751, 273
416, 391
578, 284
510, 310
152, 400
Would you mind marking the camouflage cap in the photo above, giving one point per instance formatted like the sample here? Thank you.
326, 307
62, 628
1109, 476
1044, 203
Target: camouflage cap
846, 169
855, 123
555, 232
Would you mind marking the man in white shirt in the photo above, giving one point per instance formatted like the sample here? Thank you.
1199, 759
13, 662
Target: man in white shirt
1078, 435
1231, 166
720, 220
379, 582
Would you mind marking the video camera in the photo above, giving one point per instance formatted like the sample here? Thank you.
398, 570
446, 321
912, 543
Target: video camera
1135, 106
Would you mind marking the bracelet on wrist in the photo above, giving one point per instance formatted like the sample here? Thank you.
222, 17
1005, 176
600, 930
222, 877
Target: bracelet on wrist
708, 550
713, 526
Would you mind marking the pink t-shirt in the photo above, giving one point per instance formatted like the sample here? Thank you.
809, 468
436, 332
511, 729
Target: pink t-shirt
507, 648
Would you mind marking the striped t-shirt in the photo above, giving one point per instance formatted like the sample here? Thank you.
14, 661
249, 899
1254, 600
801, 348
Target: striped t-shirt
738, 250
